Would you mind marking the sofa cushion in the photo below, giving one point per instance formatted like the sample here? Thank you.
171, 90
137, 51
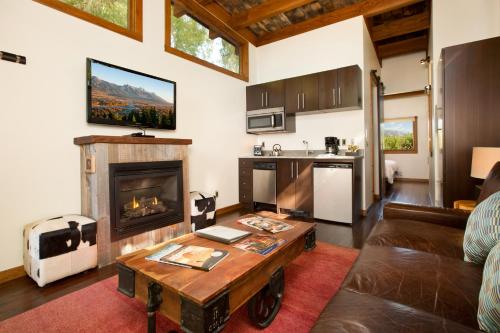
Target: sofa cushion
489, 297
427, 237
445, 286
353, 312
483, 230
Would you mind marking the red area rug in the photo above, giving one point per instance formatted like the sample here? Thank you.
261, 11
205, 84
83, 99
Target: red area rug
310, 281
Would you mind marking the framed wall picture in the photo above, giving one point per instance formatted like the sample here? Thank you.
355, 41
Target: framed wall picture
400, 135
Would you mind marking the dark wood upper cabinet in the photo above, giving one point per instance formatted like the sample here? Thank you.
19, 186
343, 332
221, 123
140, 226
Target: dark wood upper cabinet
265, 95
340, 89
301, 93
327, 83
349, 87
334, 90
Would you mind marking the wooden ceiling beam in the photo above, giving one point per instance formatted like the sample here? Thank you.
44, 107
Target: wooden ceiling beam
366, 8
219, 12
402, 47
265, 10
401, 27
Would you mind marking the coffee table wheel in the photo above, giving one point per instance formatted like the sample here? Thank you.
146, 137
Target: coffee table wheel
264, 306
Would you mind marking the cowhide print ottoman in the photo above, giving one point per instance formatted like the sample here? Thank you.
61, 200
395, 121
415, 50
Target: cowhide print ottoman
202, 210
58, 247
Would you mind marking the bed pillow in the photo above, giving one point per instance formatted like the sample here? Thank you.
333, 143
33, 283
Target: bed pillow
483, 230
488, 314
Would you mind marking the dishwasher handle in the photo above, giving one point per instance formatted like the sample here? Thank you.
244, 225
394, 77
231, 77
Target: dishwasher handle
333, 165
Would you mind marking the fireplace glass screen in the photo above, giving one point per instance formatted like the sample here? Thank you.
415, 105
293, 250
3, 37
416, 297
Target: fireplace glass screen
145, 196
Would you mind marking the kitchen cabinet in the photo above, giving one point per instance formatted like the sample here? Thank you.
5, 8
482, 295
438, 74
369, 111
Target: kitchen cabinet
245, 184
340, 89
294, 185
301, 93
266, 95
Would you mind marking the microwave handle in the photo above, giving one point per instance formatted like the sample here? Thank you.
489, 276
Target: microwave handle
273, 120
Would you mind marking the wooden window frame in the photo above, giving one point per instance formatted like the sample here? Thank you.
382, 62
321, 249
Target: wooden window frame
415, 136
204, 17
134, 30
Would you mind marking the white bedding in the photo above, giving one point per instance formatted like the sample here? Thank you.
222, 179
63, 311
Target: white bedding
391, 168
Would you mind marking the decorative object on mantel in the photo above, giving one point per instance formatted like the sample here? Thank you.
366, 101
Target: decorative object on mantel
13, 57
58, 247
96, 190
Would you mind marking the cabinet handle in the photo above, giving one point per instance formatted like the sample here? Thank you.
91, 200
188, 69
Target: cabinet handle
291, 165
267, 101
262, 99
298, 101
303, 102
333, 95
340, 97
297, 170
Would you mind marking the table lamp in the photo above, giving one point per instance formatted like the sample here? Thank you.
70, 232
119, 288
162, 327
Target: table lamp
483, 159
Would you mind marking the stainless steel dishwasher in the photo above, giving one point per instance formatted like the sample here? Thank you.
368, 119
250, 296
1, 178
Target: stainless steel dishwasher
264, 182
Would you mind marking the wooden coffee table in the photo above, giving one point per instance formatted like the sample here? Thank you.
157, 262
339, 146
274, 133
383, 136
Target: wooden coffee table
203, 301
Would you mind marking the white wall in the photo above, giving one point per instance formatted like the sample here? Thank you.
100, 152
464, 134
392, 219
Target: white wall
330, 47
456, 22
43, 109
333, 46
403, 74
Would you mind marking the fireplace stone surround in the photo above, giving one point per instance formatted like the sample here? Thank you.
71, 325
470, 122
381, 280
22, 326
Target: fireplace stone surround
97, 154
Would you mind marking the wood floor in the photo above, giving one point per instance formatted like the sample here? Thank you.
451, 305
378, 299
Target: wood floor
22, 294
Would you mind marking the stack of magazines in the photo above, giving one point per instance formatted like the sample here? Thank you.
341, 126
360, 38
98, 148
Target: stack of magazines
262, 244
264, 223
189, 256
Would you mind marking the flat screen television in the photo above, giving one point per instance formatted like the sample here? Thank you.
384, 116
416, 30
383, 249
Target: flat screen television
120, 96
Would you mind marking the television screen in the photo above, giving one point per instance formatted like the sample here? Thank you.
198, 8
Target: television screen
120, 96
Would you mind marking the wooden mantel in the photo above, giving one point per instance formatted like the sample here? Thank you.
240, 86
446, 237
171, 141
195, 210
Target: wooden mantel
127, 139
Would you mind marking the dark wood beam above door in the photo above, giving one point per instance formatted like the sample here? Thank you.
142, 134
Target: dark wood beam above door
366, 8
402, 47
265, 10
401, 27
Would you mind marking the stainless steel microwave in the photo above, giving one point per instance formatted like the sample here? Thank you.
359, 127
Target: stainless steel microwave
268, 120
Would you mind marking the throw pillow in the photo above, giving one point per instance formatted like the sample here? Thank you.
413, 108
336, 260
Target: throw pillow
488, 314
483, 230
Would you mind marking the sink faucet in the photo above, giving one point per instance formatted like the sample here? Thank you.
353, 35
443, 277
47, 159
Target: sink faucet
307, 146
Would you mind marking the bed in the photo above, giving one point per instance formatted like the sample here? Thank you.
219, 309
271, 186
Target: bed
391, 169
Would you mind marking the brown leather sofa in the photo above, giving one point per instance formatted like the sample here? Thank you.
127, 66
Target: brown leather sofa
410, 275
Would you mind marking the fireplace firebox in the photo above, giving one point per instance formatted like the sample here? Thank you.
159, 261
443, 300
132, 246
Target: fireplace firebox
144, 196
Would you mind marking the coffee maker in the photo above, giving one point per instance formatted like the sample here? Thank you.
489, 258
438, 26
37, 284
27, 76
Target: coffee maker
332, 145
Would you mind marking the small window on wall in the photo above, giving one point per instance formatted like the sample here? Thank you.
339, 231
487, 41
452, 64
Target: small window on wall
122, 16
400, 135
194, 34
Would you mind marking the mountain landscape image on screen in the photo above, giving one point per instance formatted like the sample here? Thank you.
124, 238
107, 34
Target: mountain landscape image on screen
130, 105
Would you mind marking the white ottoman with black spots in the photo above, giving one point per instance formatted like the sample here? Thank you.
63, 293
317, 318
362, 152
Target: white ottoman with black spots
58, 247
202, 210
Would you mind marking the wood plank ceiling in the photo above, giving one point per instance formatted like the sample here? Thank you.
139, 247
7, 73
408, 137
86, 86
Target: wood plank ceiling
396, 26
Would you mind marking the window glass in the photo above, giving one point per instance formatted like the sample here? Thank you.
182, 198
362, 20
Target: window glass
192, 37
114, 11
399, 135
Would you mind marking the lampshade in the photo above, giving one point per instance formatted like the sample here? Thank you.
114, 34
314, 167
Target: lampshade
483, 159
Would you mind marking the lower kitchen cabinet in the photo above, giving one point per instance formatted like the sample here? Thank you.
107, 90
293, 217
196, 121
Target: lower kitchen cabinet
294, 185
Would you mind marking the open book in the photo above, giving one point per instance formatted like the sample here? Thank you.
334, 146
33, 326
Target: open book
190, 256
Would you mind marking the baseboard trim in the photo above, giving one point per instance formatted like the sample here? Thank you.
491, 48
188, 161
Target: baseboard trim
11, 274
411, 180
228, 209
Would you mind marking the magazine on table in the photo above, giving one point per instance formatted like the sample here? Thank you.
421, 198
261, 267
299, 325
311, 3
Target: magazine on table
262, 244
190, 256
264, 223
222, 234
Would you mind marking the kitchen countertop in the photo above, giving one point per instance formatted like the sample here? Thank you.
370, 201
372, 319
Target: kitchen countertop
310, 157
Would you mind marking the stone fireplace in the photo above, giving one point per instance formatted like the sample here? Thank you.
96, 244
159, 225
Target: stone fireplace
137, 189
